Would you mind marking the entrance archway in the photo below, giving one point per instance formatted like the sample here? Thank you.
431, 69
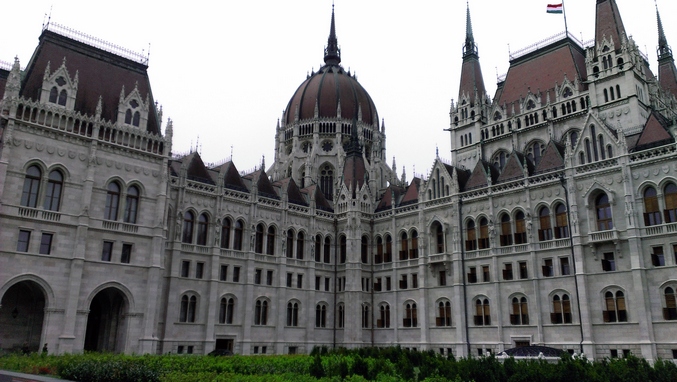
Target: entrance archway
106, 323
22, 311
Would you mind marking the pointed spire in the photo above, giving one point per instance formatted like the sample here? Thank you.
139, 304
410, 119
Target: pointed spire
472, 81
353, 147
469, 47
332, 53
664, 50
609, 25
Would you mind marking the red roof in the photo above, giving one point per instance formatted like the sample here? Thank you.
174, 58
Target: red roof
411, 196
608, 22
654, 133
539, 71
552, 159
471, 79
667, 76
100, 74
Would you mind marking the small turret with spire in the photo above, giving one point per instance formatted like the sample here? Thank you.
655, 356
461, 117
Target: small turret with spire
667, 73
332, 53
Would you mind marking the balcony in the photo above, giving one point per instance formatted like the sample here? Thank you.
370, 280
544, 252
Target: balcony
604, 236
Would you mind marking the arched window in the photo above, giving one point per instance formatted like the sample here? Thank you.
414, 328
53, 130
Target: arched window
588, 153
270, 241
404, 243
600, 141
410, 315
321, 316
670, 310
342, 249
188, 223
300, 238
290, 244
388, 257
131, 205
327, 250
561, 310
603, 208
112, 202
611, 93
545, 232
365, 316
364, 250
499, 160
226, 311
378, 258
439, 237
53, 94
618, 91
483, 241
62, 97
384, 316
520, 311
413, 252
520, 228
128, 117
225, 233
292, 314
202, 229
53, 194
188, 308
561, 222
327, 181
261, 312
258, 239
506, 230
614, 307
471, 240
573, 138
341, 316
482, 312
237, 238
137, 118
318, 248
443, 314
670, 212
652, 215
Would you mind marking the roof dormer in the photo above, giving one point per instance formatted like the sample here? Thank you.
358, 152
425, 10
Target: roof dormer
132, 110
58, 88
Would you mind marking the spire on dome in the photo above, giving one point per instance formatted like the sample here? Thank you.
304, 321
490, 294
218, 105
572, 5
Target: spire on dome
332, 53
664, 50
353, 147
470, 47
608, 24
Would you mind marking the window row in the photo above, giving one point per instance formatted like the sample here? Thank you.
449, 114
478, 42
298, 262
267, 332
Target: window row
655, 203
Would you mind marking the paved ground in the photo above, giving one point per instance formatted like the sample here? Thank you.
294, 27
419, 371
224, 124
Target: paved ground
10, 376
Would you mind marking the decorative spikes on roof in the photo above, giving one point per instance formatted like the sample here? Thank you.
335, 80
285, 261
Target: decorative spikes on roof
332, 53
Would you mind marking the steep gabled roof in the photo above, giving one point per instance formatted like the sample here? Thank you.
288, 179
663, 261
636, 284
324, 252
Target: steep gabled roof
478, 177
608, 23
390, 197
411, 195
196, 169
654, 133
100, 73
321, 202
231, 177
552, 158
263, 184
539, 71
294, 195
514, 167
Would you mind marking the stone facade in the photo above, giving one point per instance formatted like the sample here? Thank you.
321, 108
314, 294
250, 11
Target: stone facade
554, 223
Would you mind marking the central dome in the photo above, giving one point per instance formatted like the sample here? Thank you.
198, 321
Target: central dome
334, 92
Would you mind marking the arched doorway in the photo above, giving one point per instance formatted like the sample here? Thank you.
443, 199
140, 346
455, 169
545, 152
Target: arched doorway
22, 311
106, 322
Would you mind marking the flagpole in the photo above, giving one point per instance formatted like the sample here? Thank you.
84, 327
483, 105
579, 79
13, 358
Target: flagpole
566, 29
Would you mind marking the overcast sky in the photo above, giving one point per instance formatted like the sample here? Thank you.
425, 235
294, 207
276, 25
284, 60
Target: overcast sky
224, 71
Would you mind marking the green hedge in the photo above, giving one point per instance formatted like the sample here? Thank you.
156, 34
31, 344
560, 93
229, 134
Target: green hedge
364, 364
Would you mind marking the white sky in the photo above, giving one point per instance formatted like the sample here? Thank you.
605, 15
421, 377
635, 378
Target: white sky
224, 71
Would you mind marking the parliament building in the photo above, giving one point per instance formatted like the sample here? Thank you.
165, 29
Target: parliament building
553, 224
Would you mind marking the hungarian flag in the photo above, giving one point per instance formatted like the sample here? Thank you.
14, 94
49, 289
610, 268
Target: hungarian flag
554, 8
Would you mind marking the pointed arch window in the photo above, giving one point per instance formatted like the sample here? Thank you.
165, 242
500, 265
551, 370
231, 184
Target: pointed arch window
53, 194
520, 228
225, 233
388, 256
670, 310
270, 242
471, 236
226, 311
261, 312
318, 248
321, 316
413, 252
410, 315
300, 238
237, 237
364, 250
439, 237
327, 181
561, 221
443, 314
258, 238
327, 250
482, 312
378, 258
545, 231
561, 310
384, 316
342, 249
365, 316
131, 205
341, 316
188, 223
112, 202
136, 119
652, 215
603, 209
128, 117
188, 308
202, 229
290, 244
404, 243
520, 311
483, 241
506, 230
53, 94
670, 211
614, 307
63, 95
293, 314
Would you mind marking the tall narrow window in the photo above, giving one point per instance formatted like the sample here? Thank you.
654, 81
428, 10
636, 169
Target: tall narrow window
413, 252
364, 250
261, 312
506, 230
439, 237
670, 310
131, 205
258, 239
482, 312
343, 249
107, 251
53, 94
126, 254
404, 242
384, 316
545, 232
225, 233
561, 310
652, 215
388, 256
29, 196
327, 181
290, 243
226, 311
188, 222
202, 229
341, 316
520, 312
112, 202
603, 208
292, 314
237, 237
378, 258
561, 222
410, 316
53, 194
365, 316
270, 242
520, 228
615, 307
46, 243
320, 316
483, 241
670, 203
326, 251
62, 97
657, 256
443, 314
318, 249
471, 241
24, 241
